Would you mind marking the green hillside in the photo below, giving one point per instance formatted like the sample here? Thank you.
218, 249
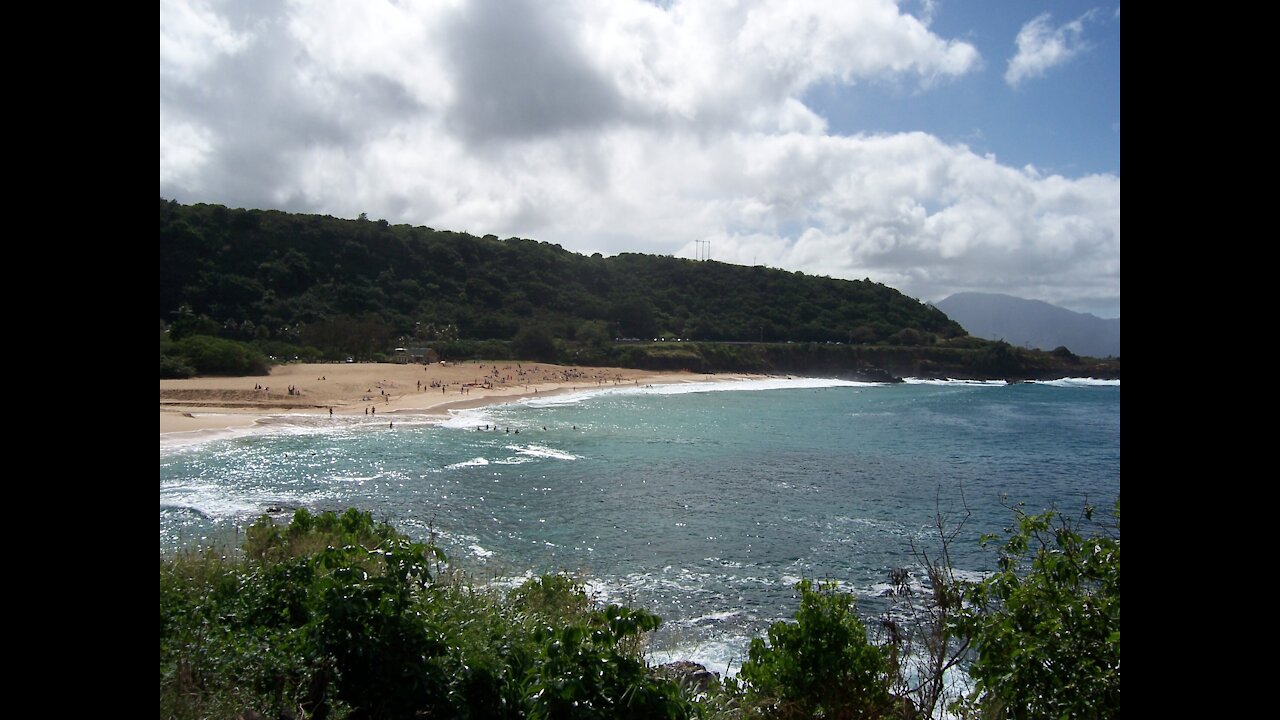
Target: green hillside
361, 286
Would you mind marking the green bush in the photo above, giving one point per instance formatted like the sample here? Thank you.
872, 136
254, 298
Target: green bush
822, 665
535, 342
587, 671
371, 635
998, 359
324, 616
1064, 353
336, 615
340, 616
1046, 626
216, 356
174, 367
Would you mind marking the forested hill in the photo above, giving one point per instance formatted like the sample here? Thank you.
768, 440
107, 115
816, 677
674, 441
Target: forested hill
273, 275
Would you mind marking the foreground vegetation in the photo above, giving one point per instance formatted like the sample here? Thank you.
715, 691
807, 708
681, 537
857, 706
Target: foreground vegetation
341, 617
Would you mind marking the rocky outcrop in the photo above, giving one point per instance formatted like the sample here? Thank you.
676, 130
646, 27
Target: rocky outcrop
689, 675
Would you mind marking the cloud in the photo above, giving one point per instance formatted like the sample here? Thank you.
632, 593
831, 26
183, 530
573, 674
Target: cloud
618, 126
193, 37
1042, 46
524, 72
925, 217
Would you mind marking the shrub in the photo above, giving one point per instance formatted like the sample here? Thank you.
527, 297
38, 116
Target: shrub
1046, 625
589, 671
1063, 352
820, 666
216, 356
174, 367
535, 342
340, 616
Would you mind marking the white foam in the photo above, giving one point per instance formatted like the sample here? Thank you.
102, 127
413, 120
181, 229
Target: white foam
467, 419
480, 551
950, 381
723, 655
686, 387
572, 398
773, 383
1079, 382
211, 501
172, 441
473, 462
711, 617
515, 460
510, 582
289, 425
541, 451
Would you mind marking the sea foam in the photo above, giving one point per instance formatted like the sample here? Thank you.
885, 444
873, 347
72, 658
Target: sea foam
950, 381
540, 451
686, 387
1079, 382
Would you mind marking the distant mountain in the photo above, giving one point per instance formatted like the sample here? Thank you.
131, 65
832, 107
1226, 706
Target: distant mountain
1032, 322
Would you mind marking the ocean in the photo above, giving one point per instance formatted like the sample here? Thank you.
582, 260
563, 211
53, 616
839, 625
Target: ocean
704, 502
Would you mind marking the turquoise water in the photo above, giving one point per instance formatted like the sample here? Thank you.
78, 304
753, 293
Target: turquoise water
704, 502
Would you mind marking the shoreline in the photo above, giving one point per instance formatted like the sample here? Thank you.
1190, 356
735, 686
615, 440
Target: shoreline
204, 405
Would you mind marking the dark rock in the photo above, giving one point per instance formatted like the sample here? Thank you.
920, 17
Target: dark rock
689, 675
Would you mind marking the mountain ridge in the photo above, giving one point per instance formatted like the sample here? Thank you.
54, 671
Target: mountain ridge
1033, 323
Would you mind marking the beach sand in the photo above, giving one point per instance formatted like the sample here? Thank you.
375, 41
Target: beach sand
208, 403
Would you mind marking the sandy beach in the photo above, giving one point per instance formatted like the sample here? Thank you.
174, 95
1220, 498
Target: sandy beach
207, 403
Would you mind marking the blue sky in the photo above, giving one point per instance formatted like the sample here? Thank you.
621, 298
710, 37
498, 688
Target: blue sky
1066, 121
937, 147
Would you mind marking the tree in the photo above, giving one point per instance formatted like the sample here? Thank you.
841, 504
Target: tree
216, 356
634, 317
594, 333
1046, 625
535, 342
998, 359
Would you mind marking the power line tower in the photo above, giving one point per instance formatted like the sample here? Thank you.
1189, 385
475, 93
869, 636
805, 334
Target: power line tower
703, 249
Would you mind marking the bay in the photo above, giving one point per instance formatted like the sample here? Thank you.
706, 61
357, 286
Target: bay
703, 502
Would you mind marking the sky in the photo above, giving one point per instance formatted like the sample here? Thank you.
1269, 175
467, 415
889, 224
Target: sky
935, 146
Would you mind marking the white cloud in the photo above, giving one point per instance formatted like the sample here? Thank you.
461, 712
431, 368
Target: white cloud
184, 150
1042, 46
929, 219
192, 37
617, 126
